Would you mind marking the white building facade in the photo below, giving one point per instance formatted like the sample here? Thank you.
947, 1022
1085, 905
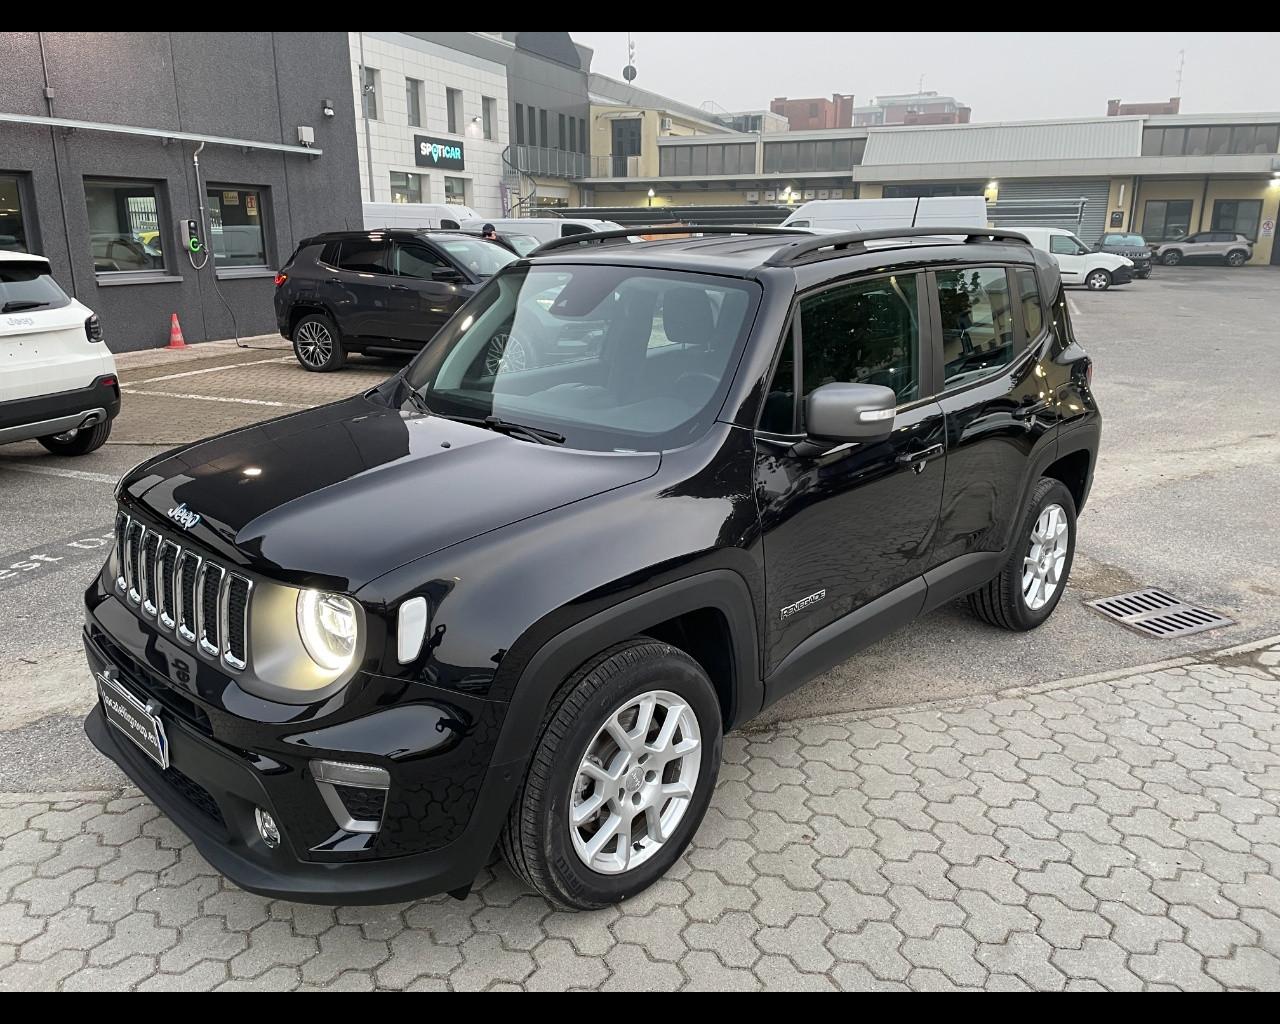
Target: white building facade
431, 122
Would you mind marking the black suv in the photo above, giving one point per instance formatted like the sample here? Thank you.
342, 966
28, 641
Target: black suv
387, 290
1133, 246
351, 650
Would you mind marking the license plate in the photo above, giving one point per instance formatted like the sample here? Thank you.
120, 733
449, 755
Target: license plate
135, 719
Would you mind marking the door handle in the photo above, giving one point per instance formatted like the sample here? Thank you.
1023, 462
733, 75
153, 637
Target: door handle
918, 459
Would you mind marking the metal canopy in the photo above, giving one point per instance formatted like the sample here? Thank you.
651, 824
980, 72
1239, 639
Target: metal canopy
156, 133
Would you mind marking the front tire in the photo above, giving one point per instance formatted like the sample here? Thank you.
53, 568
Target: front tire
1029, 587
1237, 258
1098, 281
78, 442
1172, 258
317, 345
621, 777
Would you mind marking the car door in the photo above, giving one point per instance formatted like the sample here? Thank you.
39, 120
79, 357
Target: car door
359, 286
846, 526
427, 291
1072, 257
998, 407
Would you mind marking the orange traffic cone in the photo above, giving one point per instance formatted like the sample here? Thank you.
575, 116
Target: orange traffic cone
175, 333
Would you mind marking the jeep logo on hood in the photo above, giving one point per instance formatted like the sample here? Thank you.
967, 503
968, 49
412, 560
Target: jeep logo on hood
183, 516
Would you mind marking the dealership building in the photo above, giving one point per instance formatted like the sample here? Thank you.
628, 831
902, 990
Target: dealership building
111, 143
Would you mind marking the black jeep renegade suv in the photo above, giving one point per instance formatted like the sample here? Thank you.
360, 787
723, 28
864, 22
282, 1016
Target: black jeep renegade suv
351, 650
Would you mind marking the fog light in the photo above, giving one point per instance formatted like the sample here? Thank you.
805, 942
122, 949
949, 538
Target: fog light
267, 827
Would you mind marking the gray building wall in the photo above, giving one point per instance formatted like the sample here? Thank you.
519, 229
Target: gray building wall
245, 85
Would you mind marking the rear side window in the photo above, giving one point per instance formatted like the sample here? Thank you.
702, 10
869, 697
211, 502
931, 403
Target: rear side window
363, 256
977, 323
28, 285
1032, 310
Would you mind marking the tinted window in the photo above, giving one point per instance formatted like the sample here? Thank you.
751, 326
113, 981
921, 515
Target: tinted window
483, 259
1029, 292
977, 328
1237, 216
867, 332
365, 256
779, 416
28, 286
1165, 219
414, 260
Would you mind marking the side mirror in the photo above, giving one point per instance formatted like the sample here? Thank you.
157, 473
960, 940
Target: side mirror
447, 274
850, 412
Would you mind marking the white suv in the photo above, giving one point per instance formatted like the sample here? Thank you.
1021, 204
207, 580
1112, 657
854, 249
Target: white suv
1079, 264
58, 379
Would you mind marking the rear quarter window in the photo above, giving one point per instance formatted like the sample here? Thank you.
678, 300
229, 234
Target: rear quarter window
28, 285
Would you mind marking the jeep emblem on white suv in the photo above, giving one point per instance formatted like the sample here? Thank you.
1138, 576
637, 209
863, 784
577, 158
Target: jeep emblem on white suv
183, 516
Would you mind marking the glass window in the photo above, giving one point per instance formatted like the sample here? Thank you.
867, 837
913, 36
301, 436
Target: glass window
733, 160
455, 191
489, 112
1152, 138
413, 101
365, 255
858, 147
779, 415
1242, 136
1197, 141
1237, 216
806, 156
1174, 139
1267, 139
1166, 219
1219, 140
13, 231
27, 284
413, 259
573, 135
236, 222
867, 332
369, 93
519, 124
1029, 293
977, 328
715, 159
667, 162
1124, 241
661, 348
405, 187
533, 126
124, 226
1066, 245
453, 108
562, 138
699, 160
684, 161
582, 134
484, 259
542, 128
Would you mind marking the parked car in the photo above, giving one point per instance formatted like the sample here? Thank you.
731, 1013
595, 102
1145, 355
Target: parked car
378, 291
1079, 264
1132, 247
519, 243
871, 214
416, 216
113, 251
350, 650
1229, 247
58, 380
545, 229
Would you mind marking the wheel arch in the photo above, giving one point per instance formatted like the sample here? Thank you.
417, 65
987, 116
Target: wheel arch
306, 307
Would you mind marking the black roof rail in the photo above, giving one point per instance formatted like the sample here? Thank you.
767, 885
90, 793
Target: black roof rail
809, 250
591, 237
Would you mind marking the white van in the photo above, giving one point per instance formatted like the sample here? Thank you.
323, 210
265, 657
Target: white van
545, 229
448, 216
1078, 263
871, 214
58, 381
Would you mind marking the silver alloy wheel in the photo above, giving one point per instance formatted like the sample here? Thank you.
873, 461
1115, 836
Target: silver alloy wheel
1098, 280
1172, 259
315, 343
503, 354
1235, 259
635, 783
1042, 567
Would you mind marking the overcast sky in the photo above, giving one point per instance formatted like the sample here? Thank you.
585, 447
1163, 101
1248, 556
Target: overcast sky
1002, 76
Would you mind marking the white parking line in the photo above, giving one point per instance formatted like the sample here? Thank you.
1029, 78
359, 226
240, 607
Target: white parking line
213, 398
215, 369
1071, 304
71, 474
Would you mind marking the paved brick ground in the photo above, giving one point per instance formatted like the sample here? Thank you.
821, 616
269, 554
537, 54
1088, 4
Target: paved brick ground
1118, 833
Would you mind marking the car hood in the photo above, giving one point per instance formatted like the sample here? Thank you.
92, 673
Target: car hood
336, 496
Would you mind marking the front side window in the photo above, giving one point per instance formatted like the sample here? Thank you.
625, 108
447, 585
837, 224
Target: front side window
1237, 217
1066, 245
867, 332
26, 284
412, 259
483, 259
124, 226
977, 323
638, 360
406, 188
236, 224
13, 231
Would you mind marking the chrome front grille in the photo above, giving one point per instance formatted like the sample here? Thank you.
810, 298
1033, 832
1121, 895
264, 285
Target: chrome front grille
203, 603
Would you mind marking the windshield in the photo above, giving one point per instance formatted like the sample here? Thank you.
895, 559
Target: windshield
27, 285
484, 259
613, 358
1128, 241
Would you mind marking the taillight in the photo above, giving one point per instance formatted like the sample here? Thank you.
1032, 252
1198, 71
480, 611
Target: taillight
108, 382
93, 328
281, 279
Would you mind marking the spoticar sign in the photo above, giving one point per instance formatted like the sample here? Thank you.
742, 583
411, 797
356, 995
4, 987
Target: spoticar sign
429, 152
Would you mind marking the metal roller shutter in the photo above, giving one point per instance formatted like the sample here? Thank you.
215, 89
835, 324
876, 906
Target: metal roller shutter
1052, 204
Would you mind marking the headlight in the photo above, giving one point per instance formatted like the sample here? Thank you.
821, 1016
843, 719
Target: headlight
328, 626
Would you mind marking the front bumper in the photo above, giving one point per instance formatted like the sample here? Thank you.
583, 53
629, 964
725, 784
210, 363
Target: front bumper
25, 418
1122, 275
442, 816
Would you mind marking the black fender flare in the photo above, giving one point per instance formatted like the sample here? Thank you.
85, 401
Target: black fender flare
721, 589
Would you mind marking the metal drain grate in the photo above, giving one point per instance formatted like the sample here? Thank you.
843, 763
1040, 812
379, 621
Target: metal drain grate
1155, 613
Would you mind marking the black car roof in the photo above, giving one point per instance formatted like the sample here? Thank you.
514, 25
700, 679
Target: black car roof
334, 236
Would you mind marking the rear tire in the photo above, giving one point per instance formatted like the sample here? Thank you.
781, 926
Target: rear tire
1097, 280
1005, 601
317, 345
1237, 258
80, 442
576, 754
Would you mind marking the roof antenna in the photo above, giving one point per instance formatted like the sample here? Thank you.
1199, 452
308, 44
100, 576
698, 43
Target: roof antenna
1182, 59
629, 72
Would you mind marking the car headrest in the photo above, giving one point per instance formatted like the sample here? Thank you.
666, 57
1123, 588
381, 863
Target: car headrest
687, 317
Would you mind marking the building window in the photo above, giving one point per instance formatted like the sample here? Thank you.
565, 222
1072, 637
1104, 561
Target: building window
1239, 216
455, 191
13, 231
453, 106
562, 138
489, 110
573, 135
542, 128
369, 92
920, 191
582, 134
405, 187
533, 126
124, 226
1213, 140
413, 101
519, 124
1165, 219
236, 224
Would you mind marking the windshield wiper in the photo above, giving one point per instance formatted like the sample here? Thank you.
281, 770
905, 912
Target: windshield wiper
415, 396
17, 305
523, 430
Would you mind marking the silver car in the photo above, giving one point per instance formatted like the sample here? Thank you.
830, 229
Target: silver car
1228, 247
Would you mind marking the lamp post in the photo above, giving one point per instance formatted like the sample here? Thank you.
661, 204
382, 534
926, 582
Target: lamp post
650, 197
